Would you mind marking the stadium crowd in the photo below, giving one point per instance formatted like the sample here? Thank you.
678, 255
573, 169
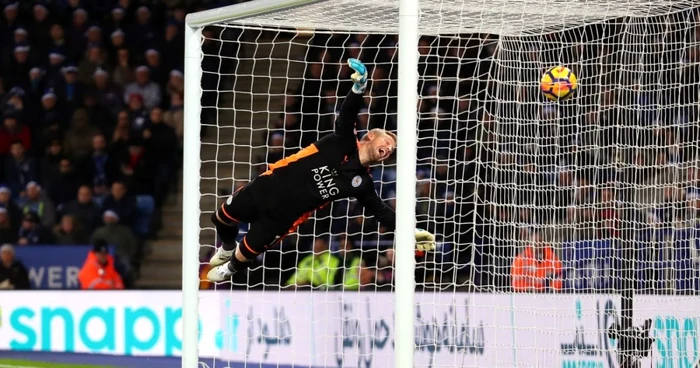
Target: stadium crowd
91, 97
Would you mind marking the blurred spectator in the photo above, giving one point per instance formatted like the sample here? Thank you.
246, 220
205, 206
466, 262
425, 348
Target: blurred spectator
58, 46
52, 121
84, 209
121, 236
123, 73
63, 186
77, 29
162, 146
142, 34
537, 267
70, 90
95, 60
138, 114
175, 114
155, 66
176, 83
13, 210
78, 139
37, 202
13, 273
100, 191
173, 46
17, 69
144, 86
353, 274
20, 169
118, 40
119, 201
31, 231
70, 231
138, 169
12, 131
40, 27
109, 96
8, 234
317, 269
99, 272
37, 85
102, 164
51, 161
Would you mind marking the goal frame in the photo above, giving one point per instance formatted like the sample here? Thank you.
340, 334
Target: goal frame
404, 290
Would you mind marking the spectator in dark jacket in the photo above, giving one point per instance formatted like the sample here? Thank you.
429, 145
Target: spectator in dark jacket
143, 34
8, 234
12, 209
48, 167
69, 231
138, 168
51, 121
77, 143
70, 90
84, 209
103, 163
13, 274
121, 236
20, 169
107, 95
17, 70
123, 204
32, 232
63, 187
162, 145
12, 131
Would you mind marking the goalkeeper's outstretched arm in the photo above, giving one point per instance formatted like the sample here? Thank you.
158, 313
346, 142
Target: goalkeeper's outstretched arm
387, 217
345, 123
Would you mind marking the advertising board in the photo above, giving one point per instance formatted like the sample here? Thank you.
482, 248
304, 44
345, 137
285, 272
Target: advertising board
331, 329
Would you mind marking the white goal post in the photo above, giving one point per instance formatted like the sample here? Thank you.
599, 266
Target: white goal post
406, 167
533, 161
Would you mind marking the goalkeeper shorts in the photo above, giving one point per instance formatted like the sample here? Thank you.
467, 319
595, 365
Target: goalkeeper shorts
268, 225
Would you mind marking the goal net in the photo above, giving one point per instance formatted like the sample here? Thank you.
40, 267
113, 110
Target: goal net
559, 224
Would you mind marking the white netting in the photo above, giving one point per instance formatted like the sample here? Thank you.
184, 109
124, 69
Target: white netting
580, 204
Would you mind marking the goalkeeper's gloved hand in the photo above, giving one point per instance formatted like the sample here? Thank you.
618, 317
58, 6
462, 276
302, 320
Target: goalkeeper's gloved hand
359, 77
424, 240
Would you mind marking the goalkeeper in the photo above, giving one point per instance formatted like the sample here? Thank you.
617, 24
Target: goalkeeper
279, 200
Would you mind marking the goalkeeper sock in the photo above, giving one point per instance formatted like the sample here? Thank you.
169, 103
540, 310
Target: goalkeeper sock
237, 265
227, 232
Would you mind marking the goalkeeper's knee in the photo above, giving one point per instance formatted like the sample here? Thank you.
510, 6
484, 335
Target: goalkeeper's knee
227, 230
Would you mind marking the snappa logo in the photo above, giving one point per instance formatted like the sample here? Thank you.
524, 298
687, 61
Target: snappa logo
108, 330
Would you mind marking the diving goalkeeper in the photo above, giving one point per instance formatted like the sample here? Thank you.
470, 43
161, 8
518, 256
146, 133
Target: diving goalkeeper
279, 200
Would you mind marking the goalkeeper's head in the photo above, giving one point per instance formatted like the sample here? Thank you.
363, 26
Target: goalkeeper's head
376, 146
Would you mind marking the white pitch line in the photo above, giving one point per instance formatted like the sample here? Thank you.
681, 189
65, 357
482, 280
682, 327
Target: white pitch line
16, 366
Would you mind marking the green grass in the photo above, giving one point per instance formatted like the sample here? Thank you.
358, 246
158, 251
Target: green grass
15, 363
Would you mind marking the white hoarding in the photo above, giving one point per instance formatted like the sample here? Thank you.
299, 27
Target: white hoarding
332, 329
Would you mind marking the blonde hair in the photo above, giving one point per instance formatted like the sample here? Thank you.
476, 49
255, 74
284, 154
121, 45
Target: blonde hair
379, 132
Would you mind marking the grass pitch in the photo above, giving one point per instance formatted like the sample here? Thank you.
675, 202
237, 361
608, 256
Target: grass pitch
15, 363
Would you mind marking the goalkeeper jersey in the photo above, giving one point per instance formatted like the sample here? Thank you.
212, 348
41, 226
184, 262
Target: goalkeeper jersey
327, 170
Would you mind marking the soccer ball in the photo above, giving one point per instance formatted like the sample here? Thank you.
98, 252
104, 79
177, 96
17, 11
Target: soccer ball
558, 83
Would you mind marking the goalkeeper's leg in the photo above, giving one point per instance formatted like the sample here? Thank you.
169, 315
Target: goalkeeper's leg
239, 207
263, 234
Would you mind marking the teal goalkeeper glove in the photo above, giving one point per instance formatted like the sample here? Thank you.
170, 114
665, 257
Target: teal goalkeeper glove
359, 77
424, 240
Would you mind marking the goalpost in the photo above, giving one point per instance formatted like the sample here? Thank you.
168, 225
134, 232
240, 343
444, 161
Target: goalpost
605, 185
